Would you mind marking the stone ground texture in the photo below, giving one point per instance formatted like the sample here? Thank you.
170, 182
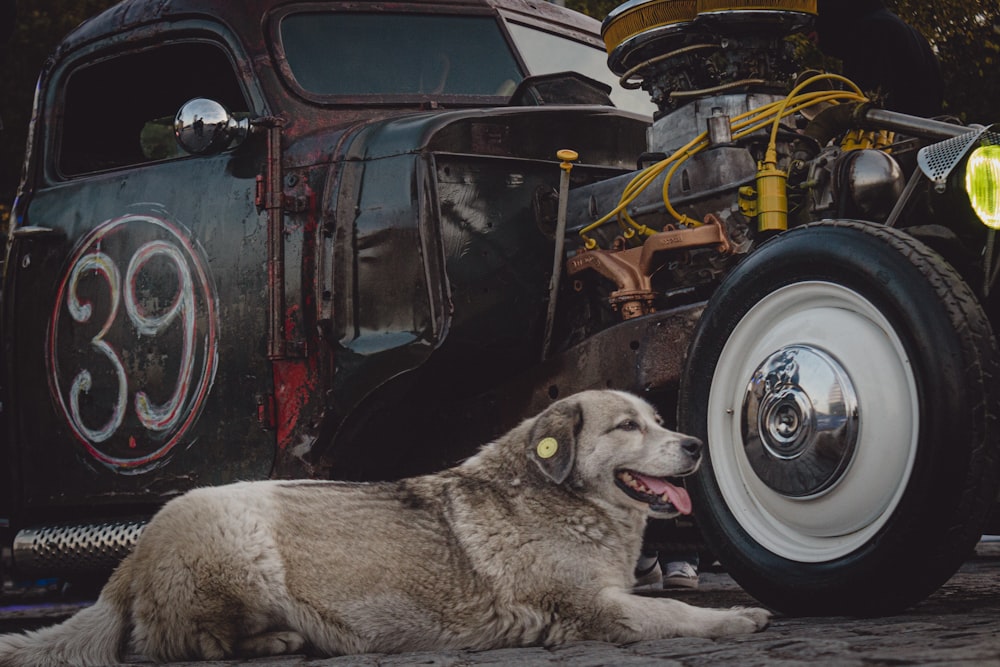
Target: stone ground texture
958, 625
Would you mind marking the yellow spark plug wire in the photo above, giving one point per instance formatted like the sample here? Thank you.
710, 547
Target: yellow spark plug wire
636, 186
742, 125
702, 143
773, 142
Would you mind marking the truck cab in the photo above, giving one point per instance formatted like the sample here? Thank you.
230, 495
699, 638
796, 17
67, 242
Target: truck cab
247, 229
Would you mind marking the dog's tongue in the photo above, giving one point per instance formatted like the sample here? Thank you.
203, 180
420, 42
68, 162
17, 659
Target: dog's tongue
677, 496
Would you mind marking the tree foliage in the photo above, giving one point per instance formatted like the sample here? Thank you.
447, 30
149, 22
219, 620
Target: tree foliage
966, 36
963, 32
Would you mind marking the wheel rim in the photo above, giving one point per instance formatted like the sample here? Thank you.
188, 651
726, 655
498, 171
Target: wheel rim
812, 421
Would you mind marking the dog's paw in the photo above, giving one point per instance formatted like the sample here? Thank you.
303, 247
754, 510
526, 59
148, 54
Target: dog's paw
737, 621
271, 644
756, 618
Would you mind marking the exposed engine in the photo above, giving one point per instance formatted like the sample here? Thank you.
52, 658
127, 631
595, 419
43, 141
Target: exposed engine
745, 144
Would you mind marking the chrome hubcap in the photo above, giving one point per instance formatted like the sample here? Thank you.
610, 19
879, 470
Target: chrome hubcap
800, 421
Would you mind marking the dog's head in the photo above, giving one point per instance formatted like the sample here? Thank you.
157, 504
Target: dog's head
613, 444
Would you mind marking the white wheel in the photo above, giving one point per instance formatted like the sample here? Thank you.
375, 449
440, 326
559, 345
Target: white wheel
808, 473
843, 379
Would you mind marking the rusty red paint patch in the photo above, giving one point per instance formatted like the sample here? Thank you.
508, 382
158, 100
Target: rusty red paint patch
291, 325
295, 383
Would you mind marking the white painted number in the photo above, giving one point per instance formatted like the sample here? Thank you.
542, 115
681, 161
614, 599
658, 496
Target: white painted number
164, 298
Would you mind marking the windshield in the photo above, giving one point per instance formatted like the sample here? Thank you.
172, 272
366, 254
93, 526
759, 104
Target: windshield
546, 53
352, 54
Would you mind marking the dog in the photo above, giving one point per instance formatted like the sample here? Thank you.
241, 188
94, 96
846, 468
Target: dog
531, 541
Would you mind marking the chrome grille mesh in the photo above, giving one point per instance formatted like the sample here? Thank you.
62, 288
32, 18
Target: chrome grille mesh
938, 160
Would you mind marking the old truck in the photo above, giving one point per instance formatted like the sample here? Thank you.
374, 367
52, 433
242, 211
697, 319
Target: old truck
355, 240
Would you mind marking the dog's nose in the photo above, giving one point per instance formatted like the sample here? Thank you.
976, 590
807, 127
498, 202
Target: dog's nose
692, 446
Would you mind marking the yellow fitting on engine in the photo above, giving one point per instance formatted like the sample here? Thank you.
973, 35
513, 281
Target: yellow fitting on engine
857, 140
865, 139
884, 140
748, 201
568, 157
772, 198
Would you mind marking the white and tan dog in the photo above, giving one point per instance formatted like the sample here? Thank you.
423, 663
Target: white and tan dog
532, 541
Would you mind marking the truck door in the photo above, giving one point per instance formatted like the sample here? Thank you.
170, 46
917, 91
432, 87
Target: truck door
135, 292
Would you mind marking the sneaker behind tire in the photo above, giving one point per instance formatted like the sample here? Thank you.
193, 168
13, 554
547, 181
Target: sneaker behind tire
680, 575
650, 580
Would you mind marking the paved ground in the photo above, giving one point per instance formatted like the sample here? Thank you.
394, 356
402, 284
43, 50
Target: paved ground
958, 625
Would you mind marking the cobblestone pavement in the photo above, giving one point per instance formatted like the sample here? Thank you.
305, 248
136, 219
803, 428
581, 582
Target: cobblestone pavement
958, 625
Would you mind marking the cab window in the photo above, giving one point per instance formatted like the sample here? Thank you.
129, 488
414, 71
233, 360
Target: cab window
119, 112
381, 54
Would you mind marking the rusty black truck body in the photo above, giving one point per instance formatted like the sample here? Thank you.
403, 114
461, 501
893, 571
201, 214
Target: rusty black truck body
340, 296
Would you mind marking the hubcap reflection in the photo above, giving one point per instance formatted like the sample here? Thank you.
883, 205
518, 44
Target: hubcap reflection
799, 421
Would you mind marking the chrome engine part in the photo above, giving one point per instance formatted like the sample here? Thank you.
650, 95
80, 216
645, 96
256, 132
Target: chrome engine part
870, 181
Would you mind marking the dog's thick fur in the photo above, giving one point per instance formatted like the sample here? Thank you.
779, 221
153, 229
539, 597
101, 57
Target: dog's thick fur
517, 546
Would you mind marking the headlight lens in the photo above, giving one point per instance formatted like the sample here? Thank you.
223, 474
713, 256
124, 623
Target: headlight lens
982, 183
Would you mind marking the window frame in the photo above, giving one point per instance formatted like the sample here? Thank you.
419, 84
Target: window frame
122, 46
424, 100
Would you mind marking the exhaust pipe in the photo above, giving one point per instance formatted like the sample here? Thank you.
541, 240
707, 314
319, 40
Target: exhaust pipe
76, 549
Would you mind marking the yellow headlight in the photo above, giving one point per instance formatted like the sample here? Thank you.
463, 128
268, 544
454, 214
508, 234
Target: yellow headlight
982, 182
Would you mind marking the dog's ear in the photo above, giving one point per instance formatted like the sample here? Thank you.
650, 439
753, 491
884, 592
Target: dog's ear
552, 443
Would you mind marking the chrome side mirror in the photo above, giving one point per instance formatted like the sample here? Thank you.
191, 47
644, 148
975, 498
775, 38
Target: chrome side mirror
205, 127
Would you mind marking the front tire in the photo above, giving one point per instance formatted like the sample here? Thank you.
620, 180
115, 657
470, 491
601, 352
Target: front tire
842, 377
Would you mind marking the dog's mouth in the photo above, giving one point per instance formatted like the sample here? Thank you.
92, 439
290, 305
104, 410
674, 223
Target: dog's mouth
659, 493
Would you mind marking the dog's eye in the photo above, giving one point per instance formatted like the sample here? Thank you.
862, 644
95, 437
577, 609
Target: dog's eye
629, 425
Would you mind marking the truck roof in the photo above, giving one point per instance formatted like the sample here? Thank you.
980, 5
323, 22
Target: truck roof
248, 15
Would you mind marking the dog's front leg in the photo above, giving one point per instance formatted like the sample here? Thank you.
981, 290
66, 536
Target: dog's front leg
634, 618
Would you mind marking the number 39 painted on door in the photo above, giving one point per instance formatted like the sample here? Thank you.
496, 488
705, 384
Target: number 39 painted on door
133, 340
